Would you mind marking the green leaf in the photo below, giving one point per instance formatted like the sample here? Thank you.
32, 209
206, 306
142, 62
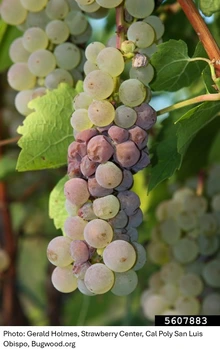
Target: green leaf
193, 121
57, 210
208, 82
173, 66
208, 7
47, 133
7, 166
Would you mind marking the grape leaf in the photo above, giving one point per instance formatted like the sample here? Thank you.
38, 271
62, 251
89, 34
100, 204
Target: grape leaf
47, 133
193, 121
173, 67
57, 210
208, 7
208, 82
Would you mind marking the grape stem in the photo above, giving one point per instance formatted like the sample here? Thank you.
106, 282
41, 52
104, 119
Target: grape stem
203, 98
201, 183
202, 31
120, 24
9, 141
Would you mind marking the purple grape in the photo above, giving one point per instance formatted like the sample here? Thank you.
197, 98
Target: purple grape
127, 181
119, 221
136, 219
79, 251
147, 116
118, 134
86, 135
127, 154
96, 190
76, 149
129, 201
88, 166
138, 136
86, 212
99, 149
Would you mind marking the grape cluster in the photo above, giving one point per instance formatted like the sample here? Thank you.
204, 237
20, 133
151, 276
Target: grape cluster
185, 244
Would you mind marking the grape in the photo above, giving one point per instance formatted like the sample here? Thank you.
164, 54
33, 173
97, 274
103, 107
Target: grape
101, 113
141, 33
106, 207
99, 149
143, 74
208, 245
64, 280
146, 116
71, 209
155, 282
207, 224
76, 22
108, 175
111, 61
80, 120
187, 305
132, 92
83, 289
211, 304
154, 305
186, 220
169, 292
74, 227
139, 8
38, 92
20, 78
34, 39
35, 19
125, 283
119, 256
125, 117
73, 169
4, 260
158, 252
127, 181
190, 285
98, 84
182, 194
57, 9
141, 256
166, 209
57, 31
12, 12
88, 168
97, 190
41, 63
79, 251
138, 136
21, 101
98, 233
67, 55
56, 77
148, 51
73, 5
136, 219
119, 221
86, 135
129, 201
17, 51
84, 2
99, 279
118, 134
33, 5
90, 7
127, 154
76, 191
82, 38
100, 13
109, 4
58, 251
211, 273
170, 232
171, 272
92, 51
82, 101
185, 250
86, 212
157, 25
89, 67
132, 233
216, 202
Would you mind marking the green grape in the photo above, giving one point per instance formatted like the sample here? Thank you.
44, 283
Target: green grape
125, 117
141, 256
181, 195
185, 250
34, 39
76, 22
92, 51
83, 289
157, 25
141, 33
119, 256
99, 279
171, 272
89, 67
90, 8
111, 61
98, 233
154, 305
57, 31
82, 101
35, 19
216, 202
67, 55
170, 232
33, 5
190, 285
73, 5
167, 209
155, 281
21, 101
100, 13
211, 273
144, 74
57, 9
39, 92
207, 224
58, 251
56, 77
106, 207
148, 51
186, 220
12, 12
17, 51
158, 252
20, 78
208, 245
108, 175
169, 292
80, 120
109, 4
84, 2
41, 63
139, 8
63, 279
125, 283
98, 84
132, 92
187, 305
4, 260
101, 113
211, 304
82, 38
